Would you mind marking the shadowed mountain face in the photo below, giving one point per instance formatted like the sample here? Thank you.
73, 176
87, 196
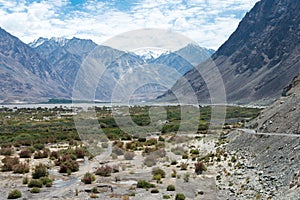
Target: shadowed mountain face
259, 59
25, 75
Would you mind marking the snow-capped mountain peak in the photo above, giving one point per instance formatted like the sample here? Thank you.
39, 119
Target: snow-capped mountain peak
150, 53
57, 40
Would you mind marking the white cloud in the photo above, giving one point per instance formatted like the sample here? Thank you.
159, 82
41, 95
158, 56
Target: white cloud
209, 23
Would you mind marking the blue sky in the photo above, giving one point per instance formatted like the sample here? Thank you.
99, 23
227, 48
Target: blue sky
207, 22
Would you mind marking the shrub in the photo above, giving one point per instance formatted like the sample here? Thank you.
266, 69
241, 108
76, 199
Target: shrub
178, 150
25, 153
67, 163
142, 139
46, 181
14, 194
155, 190
41, 154
104, 170
185, 156
186, 177
174, 173
161, 139
80, 152
69, 166
171, 188
160, 152
95, 190
117, 151
35, 190
183, 166
194, 151
165, 196
54, 155
144, 184
150, 161
40, 171
25, 180
35, 183
151, 142
39, 146
21, 168
180, 197
114, 156
9, 162
200, 167
8, 151
174, 162
88, 178
129, 155
158, 171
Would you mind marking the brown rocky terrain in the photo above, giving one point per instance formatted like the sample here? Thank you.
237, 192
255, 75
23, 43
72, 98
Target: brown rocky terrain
273, 147
284, 114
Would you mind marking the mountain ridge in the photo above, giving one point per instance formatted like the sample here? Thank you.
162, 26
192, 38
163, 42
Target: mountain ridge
259, 58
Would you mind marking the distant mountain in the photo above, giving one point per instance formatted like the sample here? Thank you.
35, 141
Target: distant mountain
195, 54
67, 56
25, 75
258, 60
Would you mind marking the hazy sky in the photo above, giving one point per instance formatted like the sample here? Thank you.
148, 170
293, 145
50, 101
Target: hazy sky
207, 22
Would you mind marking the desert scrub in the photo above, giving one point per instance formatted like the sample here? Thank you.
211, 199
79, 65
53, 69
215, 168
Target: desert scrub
200, 167
183, 166
150, 161
25, 153
129, 155
40, 171
21, 168
194, 151
178, 150
144, 184
155, 190
186, 177
35, 183
104, 171
171, 188
14, 194
174, 173
88, 178
46, 181
35, 190
158, 171
8, 151
180, 197
9, 162
25, 180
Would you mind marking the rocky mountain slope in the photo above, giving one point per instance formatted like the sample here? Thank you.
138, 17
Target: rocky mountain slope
25, 75
65, 55
260, 57
273, 148
284, 114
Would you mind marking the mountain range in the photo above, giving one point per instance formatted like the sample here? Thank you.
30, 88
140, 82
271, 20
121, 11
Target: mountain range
253, 66
257, 61
48, 68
